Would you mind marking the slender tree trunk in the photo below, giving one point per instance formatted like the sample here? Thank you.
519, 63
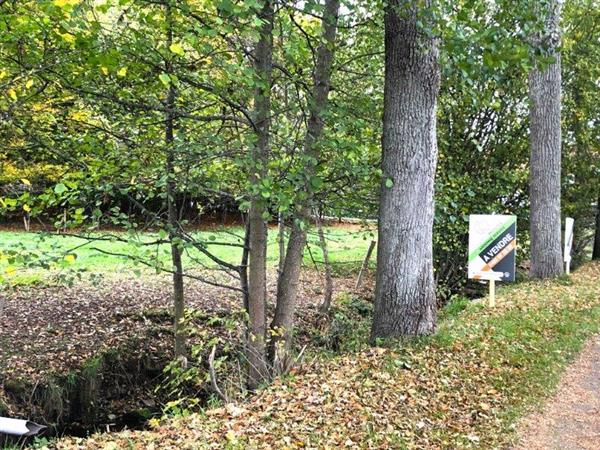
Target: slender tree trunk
328, 292
312, 258
405, 303
287, 289
596, 251
173, 219
365, 265
243, 269
257, 270
545, 140
281, 244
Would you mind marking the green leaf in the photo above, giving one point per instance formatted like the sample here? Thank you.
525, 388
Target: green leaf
316, 182
389, 183
177, 49
165, 79
60, 188
226, 6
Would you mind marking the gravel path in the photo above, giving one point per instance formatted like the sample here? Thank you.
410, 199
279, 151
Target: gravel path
571, 419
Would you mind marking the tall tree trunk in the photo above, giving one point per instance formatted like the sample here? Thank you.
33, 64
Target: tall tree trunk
257, 270
596, 251
173, 219
287, 289
405, 303
545, 140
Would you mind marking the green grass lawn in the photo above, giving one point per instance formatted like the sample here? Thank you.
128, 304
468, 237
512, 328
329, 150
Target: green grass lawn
346, 249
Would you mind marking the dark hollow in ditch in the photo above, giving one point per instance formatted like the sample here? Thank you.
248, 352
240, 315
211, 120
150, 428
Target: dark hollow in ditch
114, 390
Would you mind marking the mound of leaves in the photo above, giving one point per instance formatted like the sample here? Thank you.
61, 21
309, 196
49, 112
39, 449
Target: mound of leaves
465, 387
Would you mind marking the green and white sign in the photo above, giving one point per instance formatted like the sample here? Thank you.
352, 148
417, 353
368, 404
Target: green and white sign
492, 247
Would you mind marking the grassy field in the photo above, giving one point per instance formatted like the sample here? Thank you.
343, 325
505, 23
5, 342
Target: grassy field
347, 248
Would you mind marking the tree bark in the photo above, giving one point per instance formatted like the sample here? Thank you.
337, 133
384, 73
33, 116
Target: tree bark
287, 289
257, 269
173, 219
405, 303
545, 164
596, 251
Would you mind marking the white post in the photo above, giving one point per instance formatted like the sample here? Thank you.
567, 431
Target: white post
568, 243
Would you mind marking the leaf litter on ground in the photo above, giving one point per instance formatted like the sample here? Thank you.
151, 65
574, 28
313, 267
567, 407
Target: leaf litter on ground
53, 330
464, 387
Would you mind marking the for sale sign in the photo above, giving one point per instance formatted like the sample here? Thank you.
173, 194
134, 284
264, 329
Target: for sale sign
492, 247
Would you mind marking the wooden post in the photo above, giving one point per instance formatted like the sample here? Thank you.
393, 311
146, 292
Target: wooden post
492, 299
